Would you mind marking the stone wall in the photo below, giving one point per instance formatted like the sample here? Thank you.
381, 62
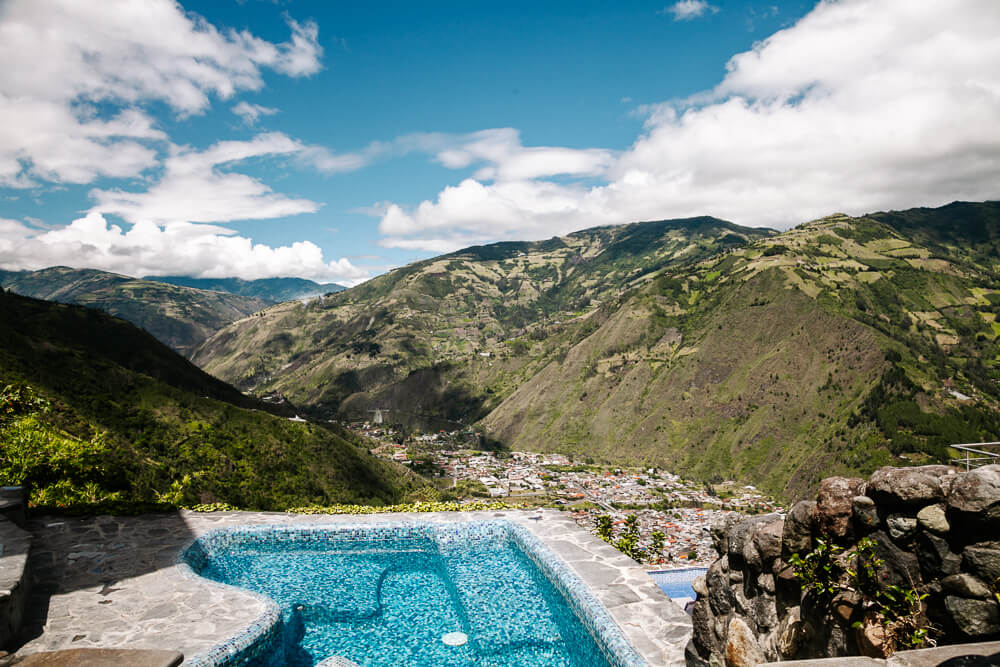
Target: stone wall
931, 528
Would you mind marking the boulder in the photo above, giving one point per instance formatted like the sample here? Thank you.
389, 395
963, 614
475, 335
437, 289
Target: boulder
901, 527
910, 488
703, 623
965, 586
692, 658
975, 618
975, 496
700, 587
898, 568
865, 515
719, 594
983, 560
720, 531
796, 534
765, 582
790, 634
742, 649
764, 613
834, 504
933, 519
767, 537
742, 546
871, 637
936, 557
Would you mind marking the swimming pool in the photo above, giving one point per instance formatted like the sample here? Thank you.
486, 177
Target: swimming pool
486, 593
677, 583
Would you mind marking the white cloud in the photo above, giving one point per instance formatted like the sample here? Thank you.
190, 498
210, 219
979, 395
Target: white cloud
147, 248
60, 56
685, 10
251, 112
862, 105
195, 188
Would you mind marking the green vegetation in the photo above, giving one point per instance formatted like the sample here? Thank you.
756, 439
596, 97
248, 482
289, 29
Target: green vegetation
827, 570
98, 413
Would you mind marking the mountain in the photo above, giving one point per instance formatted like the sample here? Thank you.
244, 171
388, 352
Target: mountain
95, 409
273, 290
716, 351
181, 317
415, 337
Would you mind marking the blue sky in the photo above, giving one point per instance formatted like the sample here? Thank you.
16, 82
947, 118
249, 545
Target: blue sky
333, 141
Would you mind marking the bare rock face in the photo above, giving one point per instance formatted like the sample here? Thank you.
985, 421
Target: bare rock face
910, 487
976, 496
742, 649
834, 504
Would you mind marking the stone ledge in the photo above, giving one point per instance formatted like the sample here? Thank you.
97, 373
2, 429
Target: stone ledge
926, 657
100, 657
15, 580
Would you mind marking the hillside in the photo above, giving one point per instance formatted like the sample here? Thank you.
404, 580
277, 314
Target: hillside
181, 317
835, 347
97, 410
272, 290
416, 337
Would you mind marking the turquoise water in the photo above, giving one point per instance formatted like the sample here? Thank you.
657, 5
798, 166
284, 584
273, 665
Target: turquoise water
390, 601
677, 583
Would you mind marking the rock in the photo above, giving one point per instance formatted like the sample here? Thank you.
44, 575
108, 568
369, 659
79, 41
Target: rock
975, 496
871, 638
865, 515
796, 535
790, 634
763, 613
787, 589
691, 656
844, 604
932, 519
703, 624
767, 537
735, 577
720, 531
742, 649
975, 618
765, 582
895, 488
834, 504
719, 594
901, 528
983, 560
965, 586
742, 545
700, 587
899, 568
936, 557
743, 604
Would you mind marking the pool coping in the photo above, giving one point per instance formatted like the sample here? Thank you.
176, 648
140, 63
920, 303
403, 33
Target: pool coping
652, 624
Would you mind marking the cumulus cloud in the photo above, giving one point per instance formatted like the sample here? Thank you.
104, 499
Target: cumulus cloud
199, 250
861, 105
195, 188
251, 112
62, 57
685, 10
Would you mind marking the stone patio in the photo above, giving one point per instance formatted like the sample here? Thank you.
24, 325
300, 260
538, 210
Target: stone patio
113, 582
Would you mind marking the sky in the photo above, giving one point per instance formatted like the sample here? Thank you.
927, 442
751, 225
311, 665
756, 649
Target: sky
335, 141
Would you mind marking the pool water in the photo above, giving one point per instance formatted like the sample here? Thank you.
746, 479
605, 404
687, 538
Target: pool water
396, 599
677, 583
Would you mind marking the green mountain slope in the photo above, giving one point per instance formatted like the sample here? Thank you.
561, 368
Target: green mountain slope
181, 317
132, 421
835, 347
273, 290
417, 337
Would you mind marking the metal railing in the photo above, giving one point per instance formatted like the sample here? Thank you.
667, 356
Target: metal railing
983, 457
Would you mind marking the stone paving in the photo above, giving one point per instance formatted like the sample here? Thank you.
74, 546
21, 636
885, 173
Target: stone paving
113, 582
